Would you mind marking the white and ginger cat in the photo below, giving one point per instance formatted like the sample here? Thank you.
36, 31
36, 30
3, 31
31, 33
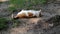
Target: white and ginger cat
28, 14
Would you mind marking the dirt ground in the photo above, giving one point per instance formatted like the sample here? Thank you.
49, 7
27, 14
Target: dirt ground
39, 25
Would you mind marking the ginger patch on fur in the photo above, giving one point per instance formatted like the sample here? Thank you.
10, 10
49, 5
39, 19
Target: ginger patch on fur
30, 14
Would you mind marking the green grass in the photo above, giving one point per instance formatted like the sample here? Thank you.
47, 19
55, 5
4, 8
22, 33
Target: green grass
25, 3
3, 23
